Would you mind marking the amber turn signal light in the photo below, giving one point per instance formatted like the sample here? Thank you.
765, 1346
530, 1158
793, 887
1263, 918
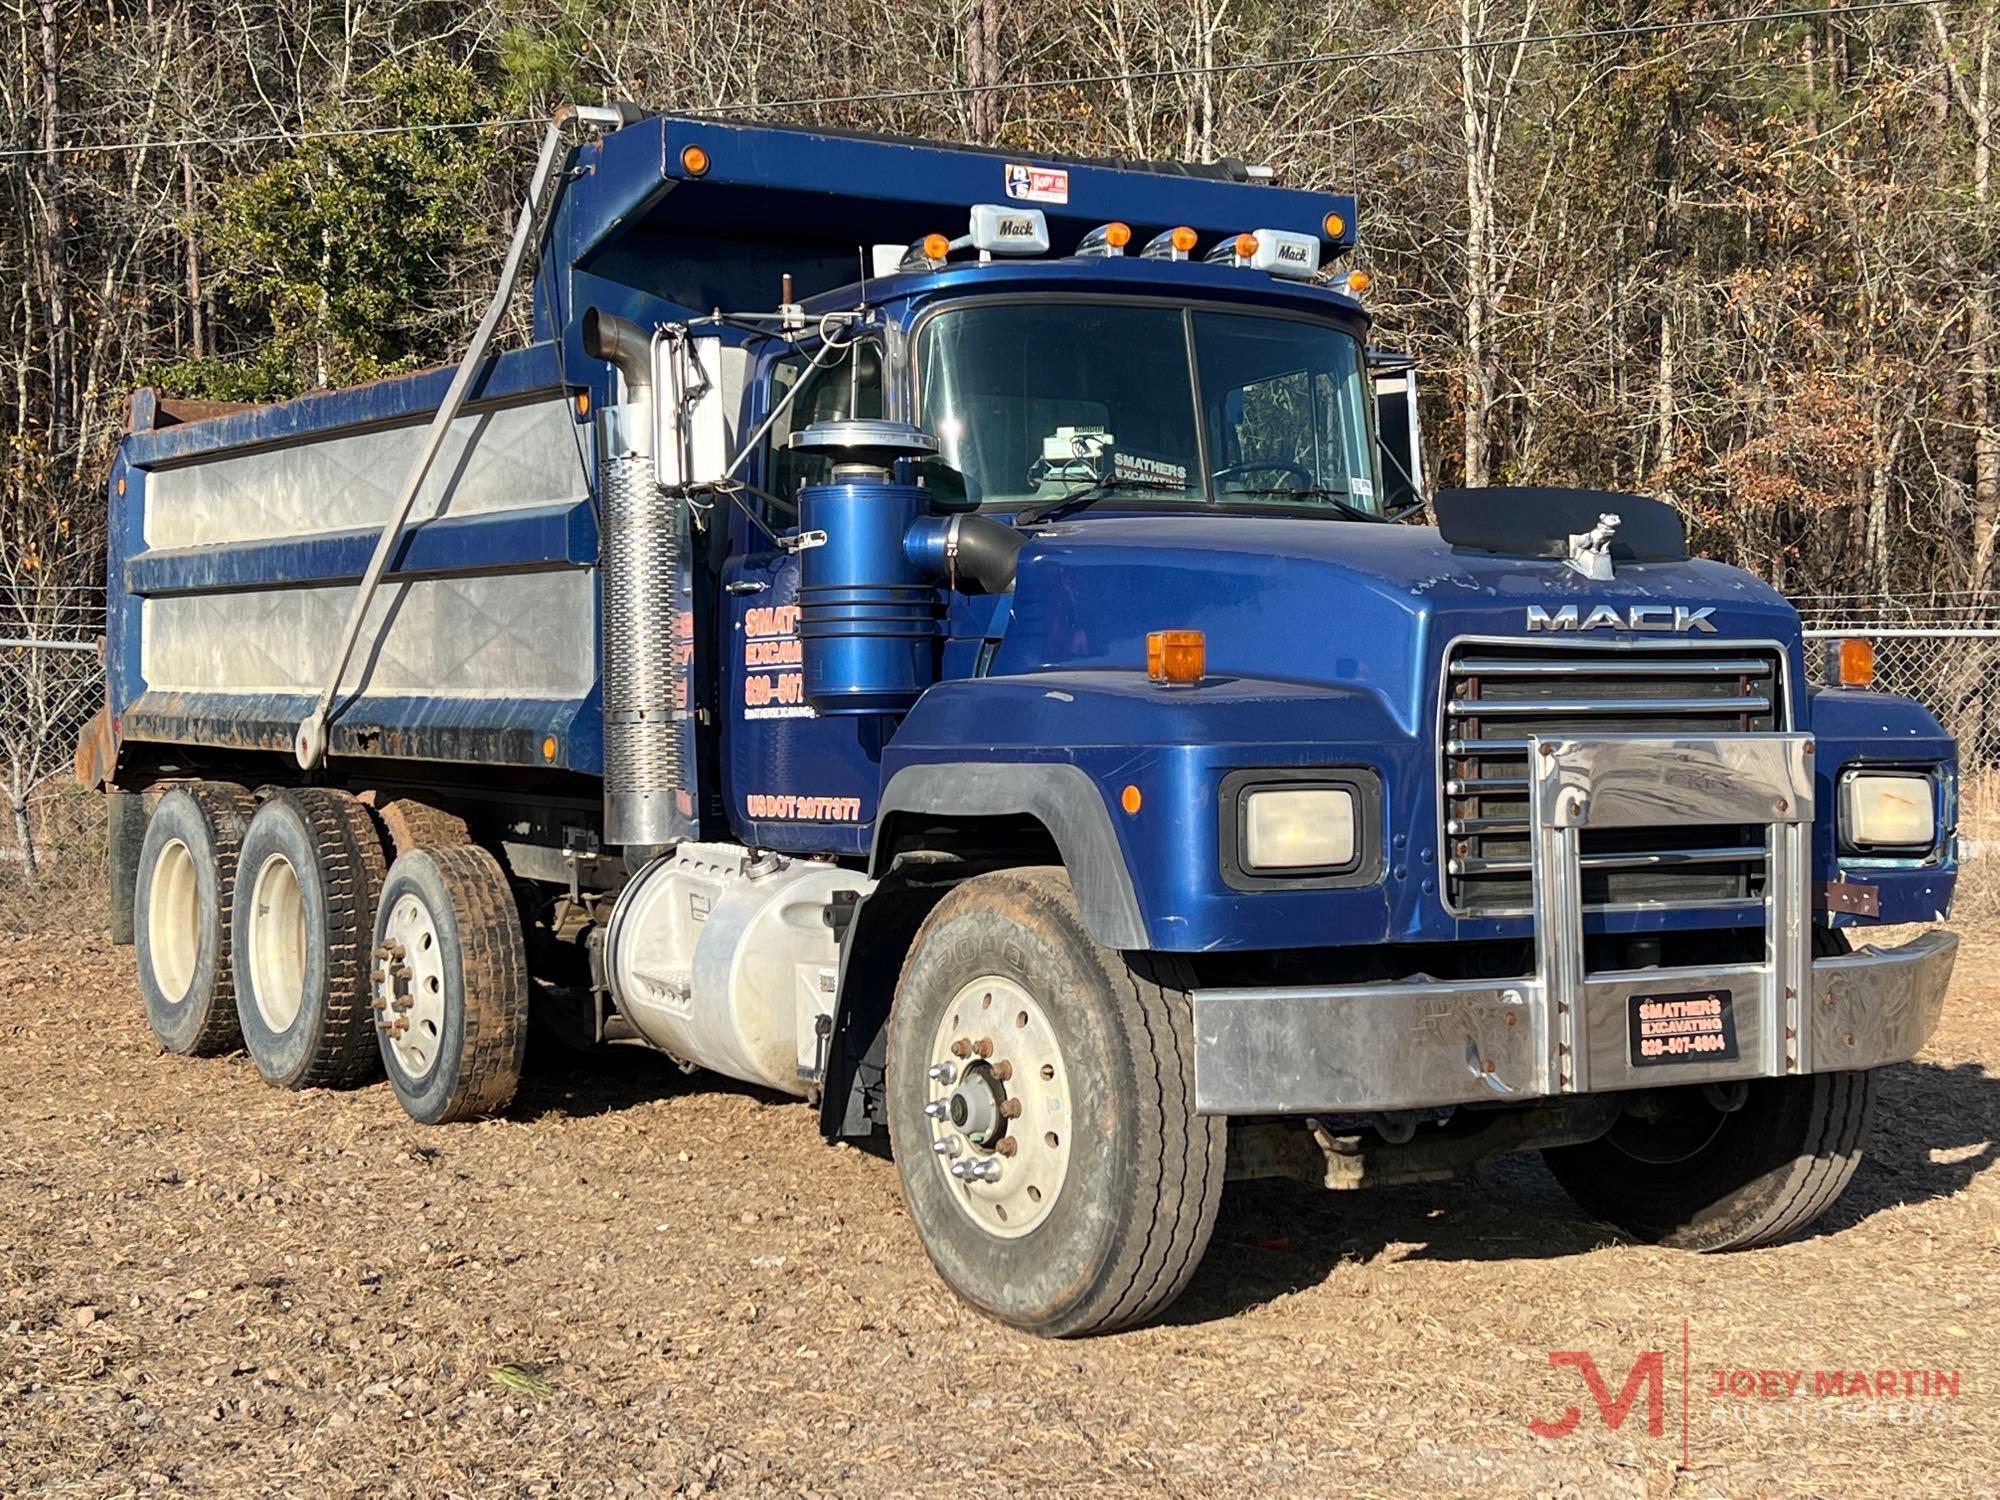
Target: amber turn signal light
1855, 666
1334, 225
1359, 282
1176, 657
694, 161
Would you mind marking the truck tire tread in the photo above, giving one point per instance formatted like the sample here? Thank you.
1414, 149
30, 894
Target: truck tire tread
225, 810
493, 978
1776, 1180
1178, 1156
351, 857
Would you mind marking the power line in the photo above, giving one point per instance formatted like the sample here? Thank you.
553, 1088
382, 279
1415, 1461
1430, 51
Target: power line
356, 132
1036, 85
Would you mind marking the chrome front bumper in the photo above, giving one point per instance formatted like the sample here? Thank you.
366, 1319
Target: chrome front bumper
1562, 1031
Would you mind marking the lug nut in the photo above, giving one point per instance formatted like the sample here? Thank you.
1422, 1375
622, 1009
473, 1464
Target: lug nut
961, 1048
946, 1145
984, 1046
1001, 1071
935, 1109
986, 1171
1011, 1109
961, 1170
943, 1073
1006, 1146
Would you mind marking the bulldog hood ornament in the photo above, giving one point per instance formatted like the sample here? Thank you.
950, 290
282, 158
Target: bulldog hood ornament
1590, 551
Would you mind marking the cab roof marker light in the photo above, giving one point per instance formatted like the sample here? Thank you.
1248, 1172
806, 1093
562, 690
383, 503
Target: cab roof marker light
1170, 244
1106, 240
1239, 250
927, 254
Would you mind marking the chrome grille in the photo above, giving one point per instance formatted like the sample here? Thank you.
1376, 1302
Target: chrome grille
1498, 696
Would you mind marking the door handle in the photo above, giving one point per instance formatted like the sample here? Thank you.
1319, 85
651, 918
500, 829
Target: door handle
745, 586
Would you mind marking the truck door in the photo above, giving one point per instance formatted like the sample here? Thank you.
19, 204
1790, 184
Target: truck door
794, 780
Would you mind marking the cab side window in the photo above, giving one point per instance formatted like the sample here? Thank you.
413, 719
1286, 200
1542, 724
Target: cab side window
850, 385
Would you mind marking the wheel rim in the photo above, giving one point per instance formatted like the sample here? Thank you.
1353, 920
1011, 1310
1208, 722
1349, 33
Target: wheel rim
173, 921
278, 943
1685, 1130
997, 1101
409, 987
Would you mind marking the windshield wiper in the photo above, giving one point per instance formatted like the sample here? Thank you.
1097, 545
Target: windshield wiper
1096, 490
1315, 492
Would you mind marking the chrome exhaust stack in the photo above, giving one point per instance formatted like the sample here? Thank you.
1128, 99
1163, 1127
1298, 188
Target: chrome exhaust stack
647, 608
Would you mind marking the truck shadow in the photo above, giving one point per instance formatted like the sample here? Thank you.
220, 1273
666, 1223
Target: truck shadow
1937, 1128
581, 1084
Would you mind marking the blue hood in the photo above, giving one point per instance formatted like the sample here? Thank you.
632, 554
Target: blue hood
1315, 601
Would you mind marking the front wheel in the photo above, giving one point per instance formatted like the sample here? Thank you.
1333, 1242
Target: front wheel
1041, 1106
1711, 1167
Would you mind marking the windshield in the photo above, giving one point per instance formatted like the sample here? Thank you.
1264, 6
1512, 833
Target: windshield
1034, 402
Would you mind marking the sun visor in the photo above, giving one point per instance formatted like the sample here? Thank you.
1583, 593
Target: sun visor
1533, 521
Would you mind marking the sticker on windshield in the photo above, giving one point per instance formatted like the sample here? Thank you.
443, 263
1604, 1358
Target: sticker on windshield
1359, 486
1145, 469
1029, 184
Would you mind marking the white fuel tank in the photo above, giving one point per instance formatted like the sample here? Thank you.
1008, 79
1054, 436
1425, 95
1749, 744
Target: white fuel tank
726, 961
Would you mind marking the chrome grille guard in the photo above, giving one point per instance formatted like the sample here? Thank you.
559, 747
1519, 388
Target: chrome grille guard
1561, 1030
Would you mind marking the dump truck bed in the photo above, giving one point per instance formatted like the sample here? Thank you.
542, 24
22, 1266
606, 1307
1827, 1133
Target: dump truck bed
238, 541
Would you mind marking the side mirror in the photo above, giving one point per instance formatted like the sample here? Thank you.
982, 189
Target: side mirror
1394, 377
698, 391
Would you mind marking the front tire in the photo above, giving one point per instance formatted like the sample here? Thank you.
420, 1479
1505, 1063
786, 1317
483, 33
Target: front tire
309, 874
1697, 1177
1012, 1028
1715, 1169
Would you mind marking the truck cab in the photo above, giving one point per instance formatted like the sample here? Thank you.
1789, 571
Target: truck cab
949, 636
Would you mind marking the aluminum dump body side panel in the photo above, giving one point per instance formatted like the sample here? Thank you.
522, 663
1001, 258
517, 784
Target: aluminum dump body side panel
237, 543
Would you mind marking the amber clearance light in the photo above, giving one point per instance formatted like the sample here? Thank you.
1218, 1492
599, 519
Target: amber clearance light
1856, 662
694, 161
1177, 658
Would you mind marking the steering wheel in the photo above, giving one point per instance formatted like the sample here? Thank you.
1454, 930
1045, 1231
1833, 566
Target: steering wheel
1298, 471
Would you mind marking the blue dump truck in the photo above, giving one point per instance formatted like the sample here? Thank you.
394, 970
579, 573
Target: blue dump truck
945, 634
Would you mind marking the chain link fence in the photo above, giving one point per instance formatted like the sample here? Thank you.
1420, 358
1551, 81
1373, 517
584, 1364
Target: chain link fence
1943, 651
51, 682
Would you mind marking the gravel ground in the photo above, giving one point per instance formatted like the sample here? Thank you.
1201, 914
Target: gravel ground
641, 1283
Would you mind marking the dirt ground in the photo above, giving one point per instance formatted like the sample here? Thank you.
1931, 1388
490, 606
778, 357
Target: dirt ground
639, 1283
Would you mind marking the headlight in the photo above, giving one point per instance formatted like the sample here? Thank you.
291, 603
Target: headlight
1302, 828
1888, 810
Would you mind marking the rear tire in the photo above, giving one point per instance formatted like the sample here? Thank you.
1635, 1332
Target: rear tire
310, 871
186, 873
1060, 1037
451, 984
